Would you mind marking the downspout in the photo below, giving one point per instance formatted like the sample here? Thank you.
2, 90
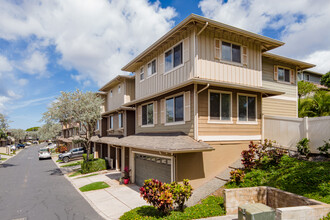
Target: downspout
206, 24
206, 87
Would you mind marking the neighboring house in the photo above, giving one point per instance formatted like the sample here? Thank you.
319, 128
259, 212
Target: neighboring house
280, 73
199, 99
313, 77
70, 131
117, 120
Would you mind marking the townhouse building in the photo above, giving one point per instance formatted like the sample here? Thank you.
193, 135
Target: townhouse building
200, 93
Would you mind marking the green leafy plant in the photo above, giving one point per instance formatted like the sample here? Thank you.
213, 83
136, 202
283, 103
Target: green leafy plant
181, 192
303, 147
157, 194
324, 149
91, 157
325, 79
326, 217
237, 176
93, 165
249, 156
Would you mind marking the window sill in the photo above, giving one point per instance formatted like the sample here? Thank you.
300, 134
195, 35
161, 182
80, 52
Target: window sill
219, 122
152, 75
230, 62
284, 82
175, 123
247, 122
175, 68
147, 126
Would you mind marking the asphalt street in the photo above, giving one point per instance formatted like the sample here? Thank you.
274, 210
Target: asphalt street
31, 190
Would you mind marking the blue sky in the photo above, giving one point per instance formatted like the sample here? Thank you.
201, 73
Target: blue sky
52, 46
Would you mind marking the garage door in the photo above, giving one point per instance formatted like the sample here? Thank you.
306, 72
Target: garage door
152, 167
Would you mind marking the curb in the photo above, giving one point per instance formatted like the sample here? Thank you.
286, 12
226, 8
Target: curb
98, 211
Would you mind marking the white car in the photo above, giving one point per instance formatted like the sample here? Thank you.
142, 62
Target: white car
28, 143
44, 153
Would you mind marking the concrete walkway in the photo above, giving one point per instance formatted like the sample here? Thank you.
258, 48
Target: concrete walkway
112, 202
7, 157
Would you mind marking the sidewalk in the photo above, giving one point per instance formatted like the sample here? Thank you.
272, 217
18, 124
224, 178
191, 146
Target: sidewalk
112, 202
7, 157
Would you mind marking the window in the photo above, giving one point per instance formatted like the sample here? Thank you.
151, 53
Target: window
152, 67
148, 114
174, 109
119, 89
98, 125
111, 122
231, 52
283, 74
220, 106
307, 77
173, 57
111, 94
142, 74
120, 120
247, 108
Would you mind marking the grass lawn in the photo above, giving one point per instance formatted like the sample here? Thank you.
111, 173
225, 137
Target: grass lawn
72, 164
3, 158
78, 172
94, 186
211, 206
306, 178
59, 161
94, 174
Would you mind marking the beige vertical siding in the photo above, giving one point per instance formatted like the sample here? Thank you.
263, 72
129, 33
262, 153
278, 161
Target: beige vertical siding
116, 100
187, 127
210, 68
162, 81
129, 90
213, 129
282, 105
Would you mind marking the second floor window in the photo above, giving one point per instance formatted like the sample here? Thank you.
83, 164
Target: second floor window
120, 120
111, 122
173, 57
220, 106
147, 114
119, 89
174, 109
283, 74
307, 77
247, 108
142, 74
98, 125
230, 52
111, 94
152, 67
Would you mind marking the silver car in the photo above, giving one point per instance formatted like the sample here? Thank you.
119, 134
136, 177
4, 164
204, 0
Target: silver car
44, 153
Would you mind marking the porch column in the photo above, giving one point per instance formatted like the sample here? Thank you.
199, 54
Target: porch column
122, 158
132, 165
109, 157
117, 160
101, 153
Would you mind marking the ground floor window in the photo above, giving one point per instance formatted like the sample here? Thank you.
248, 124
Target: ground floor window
247, 108
120, 120
147, 114
220, 106
174, 109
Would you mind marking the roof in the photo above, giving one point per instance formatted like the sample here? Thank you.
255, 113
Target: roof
267, 42
300, 64
313, 72
267, 91
163, 142
115, 81
121, 108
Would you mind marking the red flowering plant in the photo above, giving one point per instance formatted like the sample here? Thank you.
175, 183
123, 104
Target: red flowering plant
126, 173
249, 157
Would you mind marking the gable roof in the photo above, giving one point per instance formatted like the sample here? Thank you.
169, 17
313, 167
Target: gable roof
118, 79
268, 43
302, 65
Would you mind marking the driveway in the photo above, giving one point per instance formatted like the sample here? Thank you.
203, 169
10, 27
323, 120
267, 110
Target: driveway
33, 189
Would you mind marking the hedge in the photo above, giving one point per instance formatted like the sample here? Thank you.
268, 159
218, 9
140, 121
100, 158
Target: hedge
93, 165
91, 156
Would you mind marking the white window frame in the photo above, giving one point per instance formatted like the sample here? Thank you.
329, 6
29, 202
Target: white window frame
309, 77
227, 61
256, 106
230, 110
172, 48
110, 122
184, 104
142, 71
278, 78
98, 125
120, 125
153, 123
152, 74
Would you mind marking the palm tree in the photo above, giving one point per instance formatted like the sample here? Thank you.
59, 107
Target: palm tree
318, 105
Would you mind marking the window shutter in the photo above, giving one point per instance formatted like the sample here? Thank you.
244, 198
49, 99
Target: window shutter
292, 78
160, 68
162, 112
244, 56
186, 49
275, 72
139, 115
187, 106
217, 49
155, 112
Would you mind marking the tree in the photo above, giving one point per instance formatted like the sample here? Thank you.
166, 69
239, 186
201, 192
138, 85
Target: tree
325, 80
318, 105
3, 134
49, 131
33, 129
304, 88
77, 107
4, 122
18, 134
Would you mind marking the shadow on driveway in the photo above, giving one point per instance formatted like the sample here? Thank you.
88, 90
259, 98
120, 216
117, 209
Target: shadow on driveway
56, 172
5, 165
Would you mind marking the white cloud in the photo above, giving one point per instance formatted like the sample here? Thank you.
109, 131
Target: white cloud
302, 24
35, 64
5, 65
96, 37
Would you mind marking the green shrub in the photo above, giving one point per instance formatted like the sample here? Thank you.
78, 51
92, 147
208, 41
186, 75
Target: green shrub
303, 147
91, 157
237, 176
326, 217
181, 192
93, 165
324, 149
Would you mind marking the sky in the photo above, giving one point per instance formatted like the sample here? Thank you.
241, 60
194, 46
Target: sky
48, 46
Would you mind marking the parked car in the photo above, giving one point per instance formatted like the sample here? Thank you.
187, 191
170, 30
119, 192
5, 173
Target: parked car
18, 146
44, 153
51, 145
73, 153
28, 143
35, 142
13, 147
